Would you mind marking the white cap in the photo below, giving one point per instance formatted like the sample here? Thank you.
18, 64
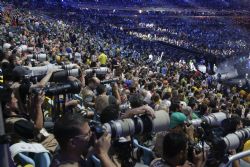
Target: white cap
6, 46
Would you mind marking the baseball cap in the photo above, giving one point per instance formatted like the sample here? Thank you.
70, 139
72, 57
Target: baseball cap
177, 118
6, 46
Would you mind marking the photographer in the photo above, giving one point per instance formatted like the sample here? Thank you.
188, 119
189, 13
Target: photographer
103, 100
231, 125
88, 94
175, 153
22, 86
177, 125
22, 129
123, 158
75, 138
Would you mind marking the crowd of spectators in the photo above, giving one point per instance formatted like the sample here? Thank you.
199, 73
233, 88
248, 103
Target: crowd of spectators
204, 34
210, 32
214, 4
144, 83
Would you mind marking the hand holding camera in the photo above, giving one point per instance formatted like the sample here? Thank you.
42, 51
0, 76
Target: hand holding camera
149, 111
200, 158
102, 144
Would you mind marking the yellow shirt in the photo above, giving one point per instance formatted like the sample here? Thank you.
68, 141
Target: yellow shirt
102, 59
88, 61
247, 147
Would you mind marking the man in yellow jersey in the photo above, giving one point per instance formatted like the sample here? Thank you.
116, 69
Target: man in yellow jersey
103, 59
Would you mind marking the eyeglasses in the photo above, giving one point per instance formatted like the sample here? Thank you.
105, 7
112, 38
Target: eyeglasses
84, 137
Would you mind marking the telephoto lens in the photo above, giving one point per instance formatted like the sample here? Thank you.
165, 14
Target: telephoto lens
101, 71
73, 87
109, 81
98, 71
214, 119
234, 140
62, 75
41, 57
42, 70
138, 125
68, 66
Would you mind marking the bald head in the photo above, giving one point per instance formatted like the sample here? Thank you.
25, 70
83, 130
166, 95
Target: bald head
93, 82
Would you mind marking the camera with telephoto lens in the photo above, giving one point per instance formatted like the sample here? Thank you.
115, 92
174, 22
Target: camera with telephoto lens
123, 148
109, 81
62, 75
231, 141
138, 125
56, 76
96, 128
214, 138
72, 87
213, 119
41, 57
42, 70
208, 130
97, 71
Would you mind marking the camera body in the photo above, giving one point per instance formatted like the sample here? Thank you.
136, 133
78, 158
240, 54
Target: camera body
96, 128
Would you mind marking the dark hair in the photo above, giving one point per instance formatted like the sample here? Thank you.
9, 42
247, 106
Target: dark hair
166, 95
68, 126
136, 100
132, 89
175, 105
151, 86
203, 109
5, 95
100, 89
173, 144
229, 125
246, 112
192, 102
109, 113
